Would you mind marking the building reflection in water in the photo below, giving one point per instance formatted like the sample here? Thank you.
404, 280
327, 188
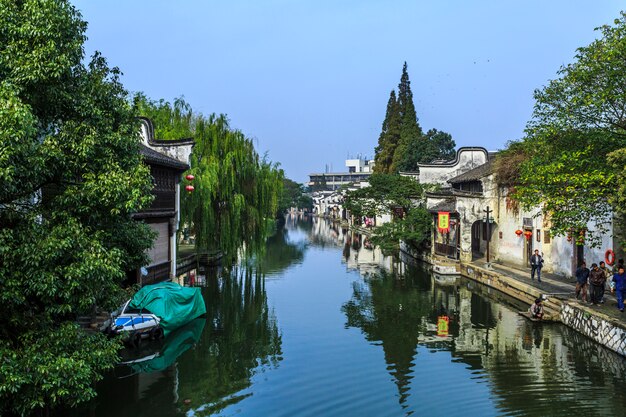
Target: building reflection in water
422, 323
409, 312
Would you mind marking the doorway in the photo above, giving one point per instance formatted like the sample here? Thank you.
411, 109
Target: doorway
476, 238
579, 256
528, 246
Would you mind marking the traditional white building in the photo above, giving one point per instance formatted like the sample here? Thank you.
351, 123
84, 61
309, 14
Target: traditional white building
167, 160
512, 232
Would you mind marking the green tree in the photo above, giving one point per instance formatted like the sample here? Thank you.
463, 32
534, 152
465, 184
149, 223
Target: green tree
441, 144
575, 142
402, 144
237, 191
411, 135
433, 145
305, 201
292, 196
71, 177
389, 136
388, 194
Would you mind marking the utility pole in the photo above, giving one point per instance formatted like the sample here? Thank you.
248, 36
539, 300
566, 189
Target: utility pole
488, 211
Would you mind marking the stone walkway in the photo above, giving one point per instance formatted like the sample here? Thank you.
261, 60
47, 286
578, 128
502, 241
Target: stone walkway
558, 286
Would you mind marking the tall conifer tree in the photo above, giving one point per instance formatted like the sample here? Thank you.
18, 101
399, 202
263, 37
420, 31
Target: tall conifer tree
389, 136
411, 135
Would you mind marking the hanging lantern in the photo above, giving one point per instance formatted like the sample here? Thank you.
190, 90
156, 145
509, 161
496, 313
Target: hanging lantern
189, 188
189, 177
528, 234
518, 232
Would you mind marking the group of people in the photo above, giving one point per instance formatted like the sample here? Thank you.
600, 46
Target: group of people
596, 280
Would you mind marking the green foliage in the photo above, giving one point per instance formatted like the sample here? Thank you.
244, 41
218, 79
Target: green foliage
246, 336
414, 229
386, 194
62, 367
569, 177
389, 137
441, 146
236, 191
433, 145
305, 201
72, 176
411, 135
402, 144
293, 196
575, 140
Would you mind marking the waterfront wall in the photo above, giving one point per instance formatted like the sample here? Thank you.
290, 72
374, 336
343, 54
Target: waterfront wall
512, 287
601, 328
605, 330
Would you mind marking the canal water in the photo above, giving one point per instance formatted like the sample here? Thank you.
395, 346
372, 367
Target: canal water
324, 325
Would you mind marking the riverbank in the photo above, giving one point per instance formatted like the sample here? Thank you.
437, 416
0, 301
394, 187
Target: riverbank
604, 323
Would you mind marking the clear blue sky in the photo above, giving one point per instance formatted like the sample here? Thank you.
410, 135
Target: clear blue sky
309, 80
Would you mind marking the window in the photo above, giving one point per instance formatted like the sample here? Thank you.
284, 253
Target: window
546, 236
539, 235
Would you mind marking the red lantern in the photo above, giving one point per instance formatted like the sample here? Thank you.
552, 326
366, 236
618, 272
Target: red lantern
518, 232
528, 234
189, 188
190, 177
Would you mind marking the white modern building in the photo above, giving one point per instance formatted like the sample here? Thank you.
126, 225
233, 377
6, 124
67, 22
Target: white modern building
359, 170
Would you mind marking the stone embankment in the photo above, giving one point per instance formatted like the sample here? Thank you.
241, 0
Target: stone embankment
607, 328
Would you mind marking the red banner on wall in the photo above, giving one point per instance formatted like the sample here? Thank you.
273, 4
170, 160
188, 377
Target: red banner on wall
443, 221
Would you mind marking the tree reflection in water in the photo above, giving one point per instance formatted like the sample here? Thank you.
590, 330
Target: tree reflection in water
243, 339
397, 313
280, 252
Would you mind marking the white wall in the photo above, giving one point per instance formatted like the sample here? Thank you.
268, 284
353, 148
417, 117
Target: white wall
558, 253
466, 159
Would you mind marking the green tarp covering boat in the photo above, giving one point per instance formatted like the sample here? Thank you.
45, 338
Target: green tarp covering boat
175, 305
175, 344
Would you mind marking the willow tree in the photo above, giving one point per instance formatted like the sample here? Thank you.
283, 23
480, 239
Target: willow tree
236, 191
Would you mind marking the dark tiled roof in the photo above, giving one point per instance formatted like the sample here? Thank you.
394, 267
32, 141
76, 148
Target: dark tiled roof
473, 174
448, 205
153, 157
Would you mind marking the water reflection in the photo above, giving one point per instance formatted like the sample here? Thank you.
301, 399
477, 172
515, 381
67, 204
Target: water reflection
390, 340
358, 252
532, 368
244, 339
241, 338
284, 249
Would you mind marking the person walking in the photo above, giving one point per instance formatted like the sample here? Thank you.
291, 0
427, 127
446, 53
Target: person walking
608, 274
536, 263
597, 279
582, 275
620, 285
